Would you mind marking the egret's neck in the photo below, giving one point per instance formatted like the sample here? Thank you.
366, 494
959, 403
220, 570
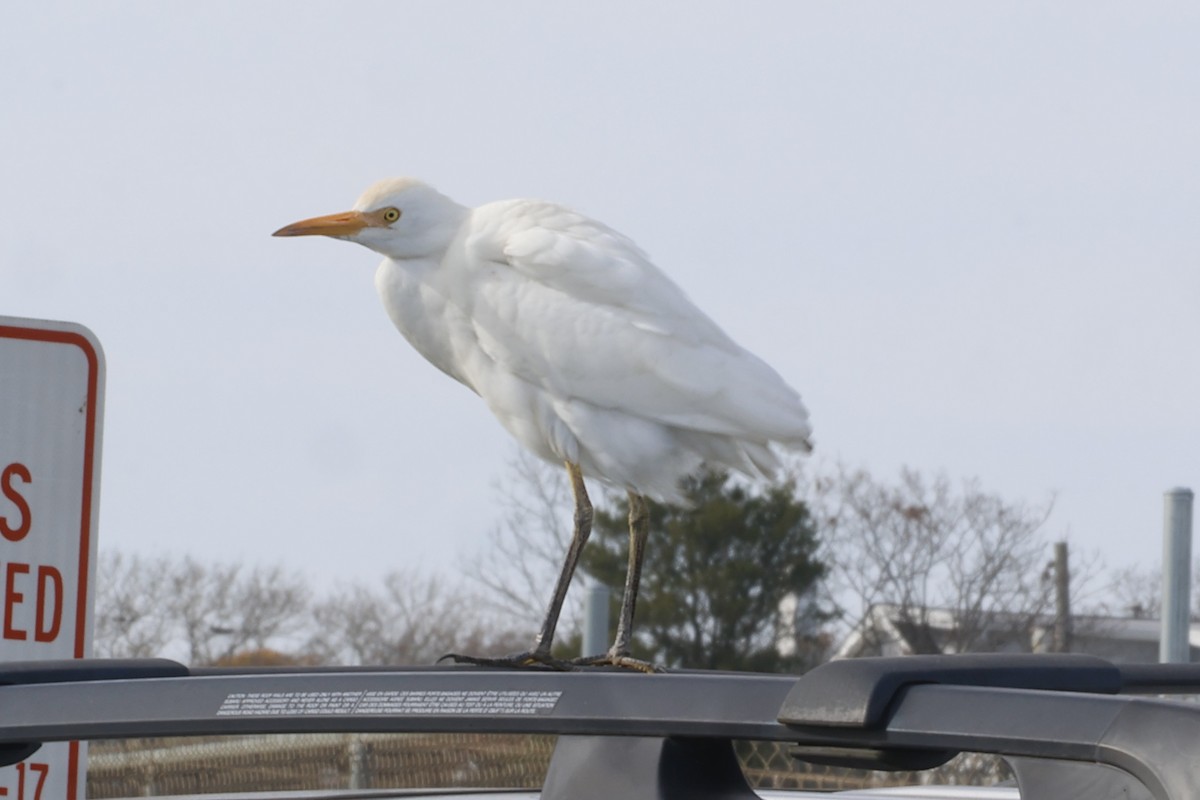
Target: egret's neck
431, 244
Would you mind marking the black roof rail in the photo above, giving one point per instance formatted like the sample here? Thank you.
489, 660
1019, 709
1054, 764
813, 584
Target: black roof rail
1055, 718
857, 692
1160, 678
89, 669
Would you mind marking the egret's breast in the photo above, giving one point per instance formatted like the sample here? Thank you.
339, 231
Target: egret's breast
425, 316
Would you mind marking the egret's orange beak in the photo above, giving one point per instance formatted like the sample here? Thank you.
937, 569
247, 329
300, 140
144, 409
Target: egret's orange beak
347, 223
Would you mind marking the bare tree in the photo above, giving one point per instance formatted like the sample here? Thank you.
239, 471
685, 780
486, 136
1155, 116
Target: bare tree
923, 546
412, 619
130, 620
150, 606
1137, 591
221, 609
232, 614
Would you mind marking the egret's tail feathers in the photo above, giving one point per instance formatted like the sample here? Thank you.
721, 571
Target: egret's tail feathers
751, 458
766, 463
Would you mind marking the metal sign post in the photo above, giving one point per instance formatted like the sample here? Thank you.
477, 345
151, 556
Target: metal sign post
51, 412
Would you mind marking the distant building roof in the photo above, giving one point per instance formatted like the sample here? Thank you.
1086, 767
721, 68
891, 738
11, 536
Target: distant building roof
890, 630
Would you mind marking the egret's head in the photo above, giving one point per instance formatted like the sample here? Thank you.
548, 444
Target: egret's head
398, 217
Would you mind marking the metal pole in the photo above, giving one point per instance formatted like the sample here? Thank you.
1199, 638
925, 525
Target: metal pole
1062, 599
595, 621
360, 770
1174, 646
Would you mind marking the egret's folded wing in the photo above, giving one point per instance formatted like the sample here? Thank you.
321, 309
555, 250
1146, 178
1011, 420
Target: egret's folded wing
578, 309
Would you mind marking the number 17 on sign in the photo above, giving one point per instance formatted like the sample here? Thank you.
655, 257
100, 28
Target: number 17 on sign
31, 779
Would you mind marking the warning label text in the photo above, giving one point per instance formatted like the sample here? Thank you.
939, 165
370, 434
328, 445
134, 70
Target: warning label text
498, 702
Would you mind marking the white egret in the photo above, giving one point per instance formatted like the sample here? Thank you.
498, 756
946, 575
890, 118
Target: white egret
585, 352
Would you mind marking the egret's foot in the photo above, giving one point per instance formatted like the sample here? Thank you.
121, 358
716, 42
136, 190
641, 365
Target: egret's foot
531, 659
613, 660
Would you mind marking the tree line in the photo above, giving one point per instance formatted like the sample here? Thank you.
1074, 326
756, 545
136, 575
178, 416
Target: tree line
739, 577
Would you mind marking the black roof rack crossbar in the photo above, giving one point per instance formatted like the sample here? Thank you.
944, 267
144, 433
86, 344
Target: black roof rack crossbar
1053, 708
434, 700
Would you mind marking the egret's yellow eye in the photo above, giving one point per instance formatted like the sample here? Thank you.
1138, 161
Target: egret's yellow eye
391, 215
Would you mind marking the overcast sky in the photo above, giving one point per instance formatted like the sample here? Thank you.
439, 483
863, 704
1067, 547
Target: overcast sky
967, 233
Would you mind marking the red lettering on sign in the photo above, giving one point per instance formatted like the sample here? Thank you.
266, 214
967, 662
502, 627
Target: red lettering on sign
47, 630
8, 531
41, 770
48, 602
12, 599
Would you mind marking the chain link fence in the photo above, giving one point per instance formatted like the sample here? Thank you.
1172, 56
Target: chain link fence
150, 767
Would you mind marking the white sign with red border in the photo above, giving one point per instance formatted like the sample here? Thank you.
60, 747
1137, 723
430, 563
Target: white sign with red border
51, 413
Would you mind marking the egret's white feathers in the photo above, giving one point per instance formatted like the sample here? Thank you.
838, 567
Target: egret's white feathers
580, 346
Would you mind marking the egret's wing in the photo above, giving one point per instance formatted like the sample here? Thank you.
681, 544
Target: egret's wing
586, 259
576, 308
